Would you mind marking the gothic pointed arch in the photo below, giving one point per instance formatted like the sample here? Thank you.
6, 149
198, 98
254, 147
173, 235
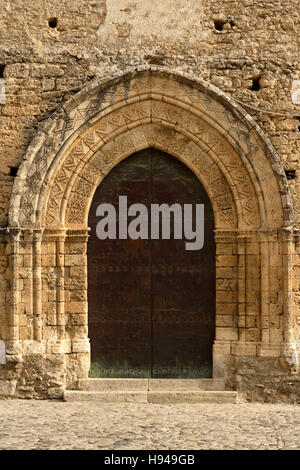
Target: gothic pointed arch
190, 120
146, 107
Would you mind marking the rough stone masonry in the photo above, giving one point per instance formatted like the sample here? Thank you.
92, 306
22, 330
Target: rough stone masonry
87, 83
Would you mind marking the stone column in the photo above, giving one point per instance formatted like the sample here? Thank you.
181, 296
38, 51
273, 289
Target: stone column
37, 284
265, 317
60, 292
13, 317
226, 300
76, 307
272, 297
14, 348
248, 264
241, 242
26, 295
286, 237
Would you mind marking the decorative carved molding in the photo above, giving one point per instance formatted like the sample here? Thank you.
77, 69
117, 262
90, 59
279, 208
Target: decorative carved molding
194, 110
199, 125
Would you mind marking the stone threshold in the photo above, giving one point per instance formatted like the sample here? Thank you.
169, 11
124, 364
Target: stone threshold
164, 391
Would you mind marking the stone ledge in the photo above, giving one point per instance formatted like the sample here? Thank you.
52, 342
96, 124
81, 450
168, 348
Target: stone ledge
163, 397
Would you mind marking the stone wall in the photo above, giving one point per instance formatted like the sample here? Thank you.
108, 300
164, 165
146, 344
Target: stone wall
247, 48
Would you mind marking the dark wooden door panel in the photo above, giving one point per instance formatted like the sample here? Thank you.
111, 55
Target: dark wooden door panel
119, 280
151, 302
182, 280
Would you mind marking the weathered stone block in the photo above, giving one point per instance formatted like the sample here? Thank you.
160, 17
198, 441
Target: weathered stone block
7, 387
81, 345
224, 320
244, 349
59, 347
226, 260
226, 334
226, 308
31, 347
75, 307
75, 260
2, 352
78, 271
74, 319
48, 260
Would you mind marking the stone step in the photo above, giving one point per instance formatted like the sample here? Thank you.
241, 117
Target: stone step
106, 397
158, 397
192, 396
110, 385
103, 385
186, 384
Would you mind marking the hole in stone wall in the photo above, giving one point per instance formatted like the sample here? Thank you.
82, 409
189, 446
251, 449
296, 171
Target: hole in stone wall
52, 22
2, 67
219, 25
255, 84
155, 59
13, 170
290, 174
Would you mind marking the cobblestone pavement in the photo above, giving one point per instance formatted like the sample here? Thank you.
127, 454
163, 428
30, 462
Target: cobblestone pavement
58, 425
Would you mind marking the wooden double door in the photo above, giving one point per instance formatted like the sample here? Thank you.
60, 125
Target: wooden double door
151, 302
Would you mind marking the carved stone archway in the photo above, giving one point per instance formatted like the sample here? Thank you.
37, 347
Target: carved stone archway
81, 143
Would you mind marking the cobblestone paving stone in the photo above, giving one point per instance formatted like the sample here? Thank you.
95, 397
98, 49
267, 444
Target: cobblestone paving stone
58, 425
